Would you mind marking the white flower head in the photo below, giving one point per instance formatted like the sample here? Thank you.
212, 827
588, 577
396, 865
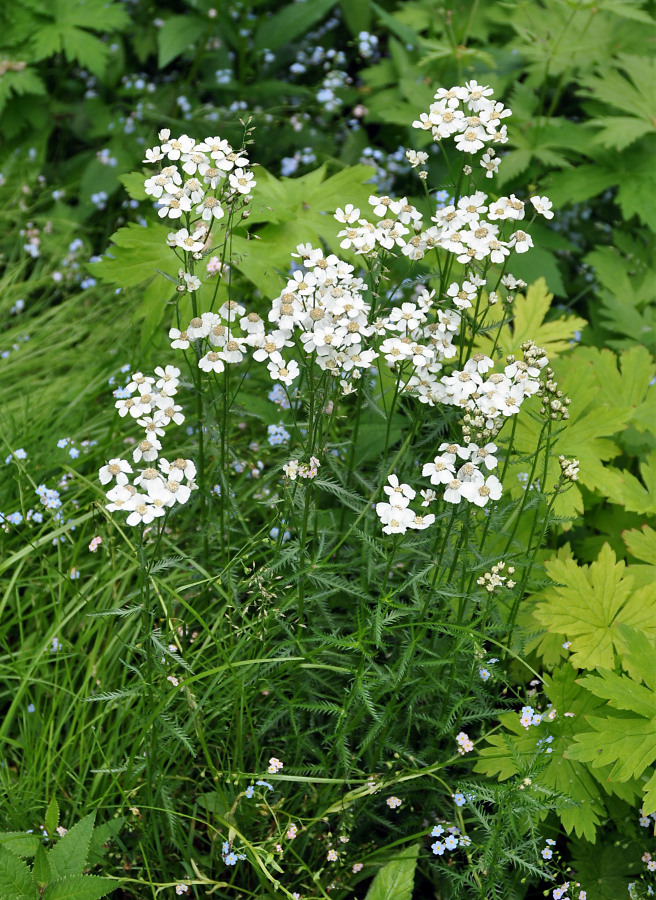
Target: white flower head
397, 491
542, 206
116, 469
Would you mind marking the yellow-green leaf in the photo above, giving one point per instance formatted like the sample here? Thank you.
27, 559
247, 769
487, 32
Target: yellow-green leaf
589, 603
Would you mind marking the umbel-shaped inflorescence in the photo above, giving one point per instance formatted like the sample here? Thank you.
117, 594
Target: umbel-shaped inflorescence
158, 484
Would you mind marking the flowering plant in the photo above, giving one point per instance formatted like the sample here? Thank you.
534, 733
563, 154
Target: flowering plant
344, 341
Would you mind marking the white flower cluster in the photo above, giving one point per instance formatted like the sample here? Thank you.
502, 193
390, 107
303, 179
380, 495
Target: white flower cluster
458, 470
569, 468
472, 227
199, 182
492, 395
494, 579
323, 311
462, 228
468, 115
468, 482
293, 469
160, 484
395, 514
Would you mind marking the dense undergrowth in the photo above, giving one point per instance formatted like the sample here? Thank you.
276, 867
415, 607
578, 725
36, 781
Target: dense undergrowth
380, 619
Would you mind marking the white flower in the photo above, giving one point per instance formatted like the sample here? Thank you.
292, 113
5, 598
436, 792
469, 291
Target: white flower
219, 334
485, 455
395, 519
192, 283
194, 190
475, 94
421, 522
121, 497
268, 345
521, 241
454, 491
153, 155
139, 380
215, 146
478, 363
543, 206
231, 310
241, 181
168, 379
210, 208
144, 512
490, 163
153, 425
282, 371
173, 205
399, 494
291, 469
142, 405
146, 450
180, 339
169, 492
498, 252
348, 215
233, 350
169, 412
440, 471
252, 324
211, 362
154, 186
176, 147
513, 284
470, 473
462, 296
479, 493
468, 141
118, 469
416, 157
199, 327
192, 161
190, 243
178, 469
147, 476
407, 318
